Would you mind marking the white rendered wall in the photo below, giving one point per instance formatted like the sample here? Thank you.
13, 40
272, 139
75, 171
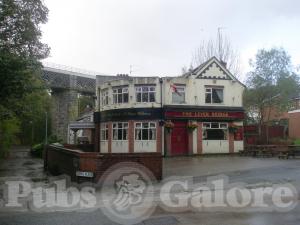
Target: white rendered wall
195, 141
104, 146
119, 146
145, 146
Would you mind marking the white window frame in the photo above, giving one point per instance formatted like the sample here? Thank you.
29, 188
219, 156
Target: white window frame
104, 97
209, 126
124, 91
151, 89
104, 132
209, 90
140, 127
180, 89
221, 125
124, 131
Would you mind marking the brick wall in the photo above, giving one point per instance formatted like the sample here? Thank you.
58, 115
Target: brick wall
231, 140
59, 160
199, 138
294, 125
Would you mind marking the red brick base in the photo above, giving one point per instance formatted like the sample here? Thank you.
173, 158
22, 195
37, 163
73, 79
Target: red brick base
59, 160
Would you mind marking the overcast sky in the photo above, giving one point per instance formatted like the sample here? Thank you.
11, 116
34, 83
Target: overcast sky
158, 37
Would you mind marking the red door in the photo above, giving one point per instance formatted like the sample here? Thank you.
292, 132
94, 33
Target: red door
179, 139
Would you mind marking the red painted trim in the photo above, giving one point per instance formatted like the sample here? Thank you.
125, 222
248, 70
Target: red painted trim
158, 137
205, 115
130, 136
231, 140
190, 142
199, 138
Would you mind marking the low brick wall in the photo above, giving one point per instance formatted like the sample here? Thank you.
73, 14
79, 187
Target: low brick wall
82, 147
61, 160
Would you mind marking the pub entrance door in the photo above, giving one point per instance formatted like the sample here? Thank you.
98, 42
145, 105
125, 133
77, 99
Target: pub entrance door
179, 139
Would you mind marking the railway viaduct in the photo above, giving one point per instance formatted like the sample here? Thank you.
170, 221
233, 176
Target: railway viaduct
65, 87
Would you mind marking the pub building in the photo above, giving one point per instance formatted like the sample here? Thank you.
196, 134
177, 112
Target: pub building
200, 112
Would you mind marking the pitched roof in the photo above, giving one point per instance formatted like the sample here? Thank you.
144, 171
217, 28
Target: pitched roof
200, 71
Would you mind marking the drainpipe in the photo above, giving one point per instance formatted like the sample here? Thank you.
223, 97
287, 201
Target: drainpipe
162, 113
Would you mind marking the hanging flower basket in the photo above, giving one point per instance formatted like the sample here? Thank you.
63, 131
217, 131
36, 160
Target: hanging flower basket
233, 129
169, 125
191, 125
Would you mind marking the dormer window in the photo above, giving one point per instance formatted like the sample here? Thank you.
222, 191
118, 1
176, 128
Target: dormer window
214, 94
120, 95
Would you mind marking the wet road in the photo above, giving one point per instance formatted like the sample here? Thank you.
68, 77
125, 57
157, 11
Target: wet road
238, 169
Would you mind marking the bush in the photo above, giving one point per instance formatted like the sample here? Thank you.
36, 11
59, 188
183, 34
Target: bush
37, 150
297, 142
8, 130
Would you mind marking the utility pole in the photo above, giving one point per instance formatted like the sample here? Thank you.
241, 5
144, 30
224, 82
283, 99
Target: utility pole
46, 131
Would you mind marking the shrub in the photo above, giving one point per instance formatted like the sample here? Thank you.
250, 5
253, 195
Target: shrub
297, 142
8, 130
37, 150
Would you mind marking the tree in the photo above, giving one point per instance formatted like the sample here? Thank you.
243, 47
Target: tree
221, 48
271, 84
20, 51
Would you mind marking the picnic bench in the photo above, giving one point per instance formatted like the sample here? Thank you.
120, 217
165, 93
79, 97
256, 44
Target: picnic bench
259, 151
291, 151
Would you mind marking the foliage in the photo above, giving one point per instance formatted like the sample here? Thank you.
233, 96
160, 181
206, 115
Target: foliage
271, 84
34, 106
8, 129
233, 129
297, 142
192, 125
85, 101
37, 149
22, 95
169, 125
20, 32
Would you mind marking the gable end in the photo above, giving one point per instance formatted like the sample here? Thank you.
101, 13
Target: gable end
213, 71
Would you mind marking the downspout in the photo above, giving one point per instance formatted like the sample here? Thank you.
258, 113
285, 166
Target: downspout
162, 113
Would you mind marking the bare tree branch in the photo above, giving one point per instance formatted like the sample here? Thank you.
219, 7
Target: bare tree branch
220, 48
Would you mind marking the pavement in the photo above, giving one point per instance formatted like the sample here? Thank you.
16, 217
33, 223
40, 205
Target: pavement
252, 171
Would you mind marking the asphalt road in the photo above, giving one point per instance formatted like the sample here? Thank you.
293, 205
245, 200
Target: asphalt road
247, 170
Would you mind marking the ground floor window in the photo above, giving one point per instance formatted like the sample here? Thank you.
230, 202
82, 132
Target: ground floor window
120, 131
215, 131
104, 132
145, 131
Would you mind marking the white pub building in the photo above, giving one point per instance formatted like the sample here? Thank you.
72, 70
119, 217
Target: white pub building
200, 112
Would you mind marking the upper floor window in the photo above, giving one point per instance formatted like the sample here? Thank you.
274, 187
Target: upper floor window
145, 94
104, 132
145, 131
120, 131
178, 93
120, 95
104, 95
214, 95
